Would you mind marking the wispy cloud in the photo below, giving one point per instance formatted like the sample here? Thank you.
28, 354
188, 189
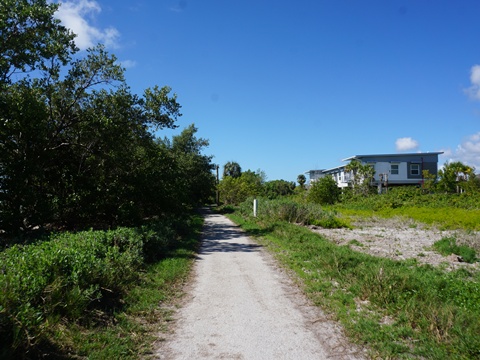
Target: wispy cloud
127, 64
474, 90
468, 152
77, 16
406, 144
179, 7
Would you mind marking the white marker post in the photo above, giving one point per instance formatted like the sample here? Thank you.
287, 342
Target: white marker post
255, 207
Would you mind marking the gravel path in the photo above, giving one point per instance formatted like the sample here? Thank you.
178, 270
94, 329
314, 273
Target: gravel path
241, 306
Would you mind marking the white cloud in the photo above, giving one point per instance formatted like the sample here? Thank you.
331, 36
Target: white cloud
76, 14
405, 144
474, 90
127, 64
468, 152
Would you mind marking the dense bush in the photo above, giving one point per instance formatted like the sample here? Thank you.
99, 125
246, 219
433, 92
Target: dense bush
276, 188
67, 277
324, 191
234, 190
284, 209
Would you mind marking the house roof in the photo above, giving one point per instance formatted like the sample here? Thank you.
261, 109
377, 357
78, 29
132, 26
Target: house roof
393, 155
334, 168
397, 155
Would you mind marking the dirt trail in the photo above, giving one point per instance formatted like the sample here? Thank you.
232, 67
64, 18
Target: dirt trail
241, 306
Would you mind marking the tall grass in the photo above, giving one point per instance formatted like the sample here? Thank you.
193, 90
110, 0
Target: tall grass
398, 308
284, 209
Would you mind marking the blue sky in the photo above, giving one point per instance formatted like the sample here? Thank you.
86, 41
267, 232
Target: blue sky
290, 86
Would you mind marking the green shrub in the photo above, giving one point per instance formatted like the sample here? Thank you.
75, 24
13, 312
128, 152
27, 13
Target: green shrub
68, 276
324, 191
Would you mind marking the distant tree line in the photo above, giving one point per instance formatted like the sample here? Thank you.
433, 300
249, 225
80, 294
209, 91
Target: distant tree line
77, 147
237, 185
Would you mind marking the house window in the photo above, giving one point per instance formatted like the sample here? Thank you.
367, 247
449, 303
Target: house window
394, 169
415, 169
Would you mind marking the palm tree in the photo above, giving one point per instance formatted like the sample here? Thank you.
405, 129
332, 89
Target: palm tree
362, 175
301, 179
453, 174
232, 169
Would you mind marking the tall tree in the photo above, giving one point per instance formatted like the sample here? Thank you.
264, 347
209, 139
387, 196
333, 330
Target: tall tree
361, 176
232, 169
30, 38
301, 179
196, 169
454, 176
73, 147
234, 190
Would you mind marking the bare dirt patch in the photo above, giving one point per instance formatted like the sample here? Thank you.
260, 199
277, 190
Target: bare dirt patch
401, 239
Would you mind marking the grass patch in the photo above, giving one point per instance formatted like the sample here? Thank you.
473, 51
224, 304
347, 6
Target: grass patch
355, 242
433, 314
448, 245
452, 212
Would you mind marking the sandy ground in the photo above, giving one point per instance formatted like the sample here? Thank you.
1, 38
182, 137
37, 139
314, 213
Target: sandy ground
242, 306
401, 239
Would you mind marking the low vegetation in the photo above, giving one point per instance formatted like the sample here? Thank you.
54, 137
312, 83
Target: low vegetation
89, 293
398, 309
284, 209
445, 211
448, 246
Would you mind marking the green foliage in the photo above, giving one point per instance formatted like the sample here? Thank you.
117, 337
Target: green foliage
69, 277
194, 182
361, 176
146, 308
429, 181
31, 37
234, 190
284, 209
232, 169
447, 211
454, 176
301, 179
276, 188
448, 245
324, 191
78, 151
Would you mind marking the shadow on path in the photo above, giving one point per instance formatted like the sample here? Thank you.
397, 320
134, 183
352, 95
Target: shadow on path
218, 236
